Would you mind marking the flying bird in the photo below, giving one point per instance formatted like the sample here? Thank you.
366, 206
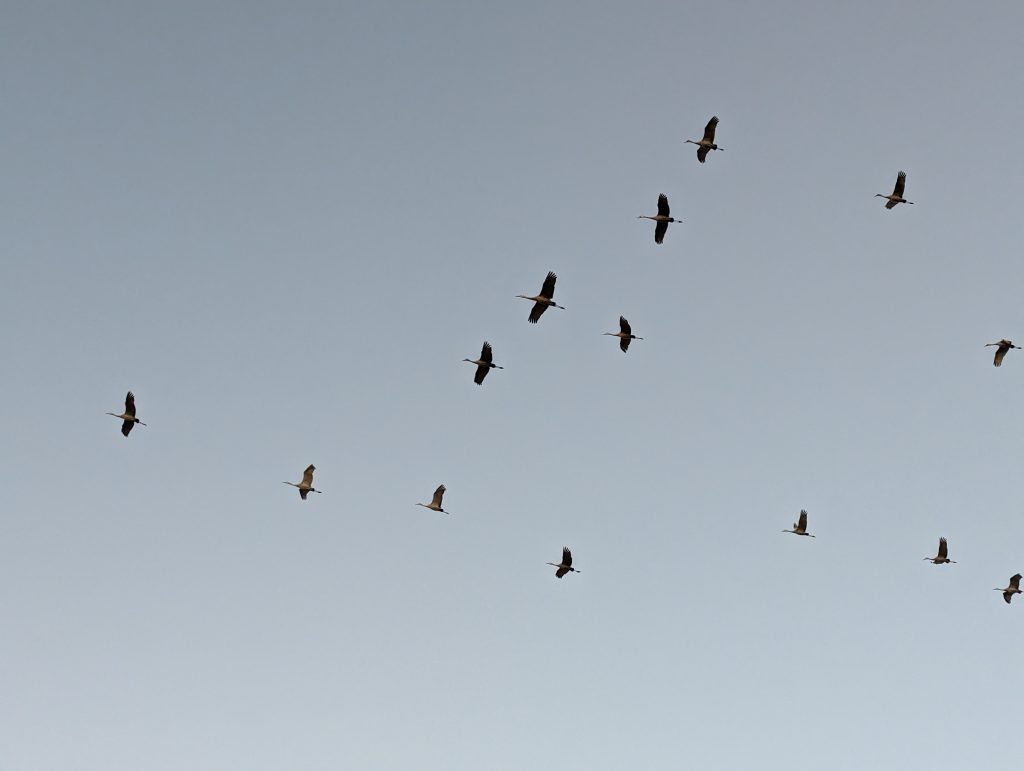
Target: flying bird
800, 526
128, 416
1003, 347
625, 334
306, 485
941, 558
435, 502
483, 364
661, 219
565, 566
1012, 589
544, 299
897, 192
707, 142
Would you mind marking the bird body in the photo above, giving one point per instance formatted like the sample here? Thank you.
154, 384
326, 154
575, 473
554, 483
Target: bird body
941, 558
625, 334
1012, 589
897, 192
800, 526
1002, 347
542, 301
128, 416
435, 502
707, 142
565, 566
483, 364
306, 485
661, 219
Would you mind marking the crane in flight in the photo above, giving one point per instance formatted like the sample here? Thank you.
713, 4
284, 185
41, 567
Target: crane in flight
800, 526
565, 566
1002, 347
897, 192
661, 219
306, 485
1012, 589
542, 301
483, 364
435, 502
625, 334
707, 142
128, 416
941, 558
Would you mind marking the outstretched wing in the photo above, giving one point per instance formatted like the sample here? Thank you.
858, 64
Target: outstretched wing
481, 373
1015, 581
303, 493
660, 228
126, 427
537, 311
307, 476
901, 181
802, 522
562, 571
1000, 353
624, 326
566, 556
548, 290
438, 495
663, 205
129, 405
702, 153
624, 343
486, 354
709, 130
942, 549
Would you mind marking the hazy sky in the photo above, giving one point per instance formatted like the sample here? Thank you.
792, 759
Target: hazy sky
283, 225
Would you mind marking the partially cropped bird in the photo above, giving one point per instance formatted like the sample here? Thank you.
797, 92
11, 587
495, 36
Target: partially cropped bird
941, 558
1012, 589
708, 141
128, 416
544, 299
625, 334
565, 566
661, 219
306, 485
897, 192
800, 526
435, 502
1003, 347
483, 364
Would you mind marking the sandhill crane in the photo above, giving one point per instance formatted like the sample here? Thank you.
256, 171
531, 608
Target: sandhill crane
483, 364
128, 416
708, 142
544, 299
1012, 589
435, 502
897, 192
565, 566
625, 334
1003, 347
941, 558
800, 526
661, 218
306, 485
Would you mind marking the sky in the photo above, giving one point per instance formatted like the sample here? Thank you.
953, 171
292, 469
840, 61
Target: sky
284, 225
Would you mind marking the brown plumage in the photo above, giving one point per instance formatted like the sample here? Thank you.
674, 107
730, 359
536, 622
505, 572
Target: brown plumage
1003, 347
565, 566
800, 526
306, 485
542, 301
708, 141
484, 364
941, 558
1012, 589
435, 502
128, 416
897, 192
625, 334
661, 219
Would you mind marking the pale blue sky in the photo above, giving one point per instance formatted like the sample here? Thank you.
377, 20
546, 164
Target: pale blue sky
283, 225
